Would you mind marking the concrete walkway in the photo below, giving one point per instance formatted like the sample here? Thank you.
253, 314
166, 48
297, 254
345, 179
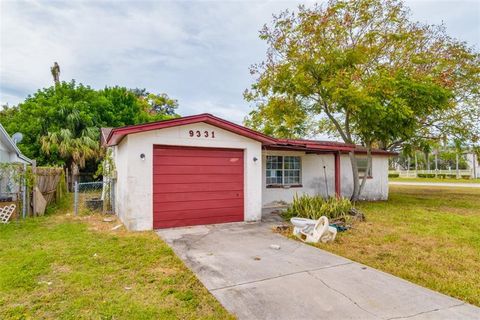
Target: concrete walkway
435, 184
254, 281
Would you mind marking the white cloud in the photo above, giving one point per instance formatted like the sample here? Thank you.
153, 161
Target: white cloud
197, 52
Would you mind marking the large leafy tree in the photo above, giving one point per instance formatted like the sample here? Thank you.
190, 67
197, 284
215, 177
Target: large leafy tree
362, 71
61, 123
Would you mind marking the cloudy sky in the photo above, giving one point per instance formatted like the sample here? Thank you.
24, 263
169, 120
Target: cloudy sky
198, 52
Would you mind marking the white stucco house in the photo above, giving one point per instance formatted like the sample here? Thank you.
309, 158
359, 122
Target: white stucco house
202, 170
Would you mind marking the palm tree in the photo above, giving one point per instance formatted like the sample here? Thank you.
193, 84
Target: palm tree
75, 150
55, 70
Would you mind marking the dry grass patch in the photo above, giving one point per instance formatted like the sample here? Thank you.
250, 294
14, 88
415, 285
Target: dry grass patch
430, 236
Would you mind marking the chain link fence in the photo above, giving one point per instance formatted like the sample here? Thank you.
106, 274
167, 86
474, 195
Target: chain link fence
94, 197
13, 188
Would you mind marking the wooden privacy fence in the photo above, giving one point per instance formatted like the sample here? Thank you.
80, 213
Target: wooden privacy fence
47, 181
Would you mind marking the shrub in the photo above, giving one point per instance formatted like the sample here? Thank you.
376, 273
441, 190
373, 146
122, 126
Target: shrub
393, 175
313, 207
426, 175
466, 176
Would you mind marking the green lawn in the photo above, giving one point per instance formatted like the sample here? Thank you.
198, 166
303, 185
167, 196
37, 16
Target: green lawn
430, 236
435, 180
61, 267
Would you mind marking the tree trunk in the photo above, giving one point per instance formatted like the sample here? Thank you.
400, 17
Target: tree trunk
456, 166
416, 165
427, 160
369, 168
356, 184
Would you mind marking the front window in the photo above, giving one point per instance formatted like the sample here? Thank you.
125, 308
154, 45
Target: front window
283, 170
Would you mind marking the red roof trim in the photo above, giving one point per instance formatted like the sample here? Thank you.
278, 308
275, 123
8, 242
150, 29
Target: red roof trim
117, 134
378, 152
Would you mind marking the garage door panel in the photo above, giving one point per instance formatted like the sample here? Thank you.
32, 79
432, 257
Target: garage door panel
198, 178
193, 205
197, 196
198, 152
200, 213
195, 187
194, 222
206, 161
196, 169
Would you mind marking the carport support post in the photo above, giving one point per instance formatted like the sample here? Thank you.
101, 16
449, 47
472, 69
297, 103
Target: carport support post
337, 175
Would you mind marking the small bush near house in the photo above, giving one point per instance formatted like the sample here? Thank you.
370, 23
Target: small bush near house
393, 175
313, 207
465, 176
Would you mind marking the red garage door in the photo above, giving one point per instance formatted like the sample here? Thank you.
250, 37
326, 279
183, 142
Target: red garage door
196, 186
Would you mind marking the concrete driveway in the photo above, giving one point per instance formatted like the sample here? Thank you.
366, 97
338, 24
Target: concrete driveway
254, 281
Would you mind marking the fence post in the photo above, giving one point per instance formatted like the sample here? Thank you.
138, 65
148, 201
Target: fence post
34, 188
24, 191
75, 197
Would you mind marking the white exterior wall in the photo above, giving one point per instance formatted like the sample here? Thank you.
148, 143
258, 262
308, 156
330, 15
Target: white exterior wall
376, 188
313, 178
7, 155
134, 187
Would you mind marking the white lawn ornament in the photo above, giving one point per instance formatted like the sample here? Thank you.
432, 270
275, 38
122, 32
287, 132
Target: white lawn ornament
6, 212
320, 232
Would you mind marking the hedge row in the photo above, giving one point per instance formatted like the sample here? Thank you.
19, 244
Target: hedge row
393, 175
441, 176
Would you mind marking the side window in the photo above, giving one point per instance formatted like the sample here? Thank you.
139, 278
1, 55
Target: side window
362, 167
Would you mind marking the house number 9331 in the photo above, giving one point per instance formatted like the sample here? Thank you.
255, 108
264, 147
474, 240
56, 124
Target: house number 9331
199, 134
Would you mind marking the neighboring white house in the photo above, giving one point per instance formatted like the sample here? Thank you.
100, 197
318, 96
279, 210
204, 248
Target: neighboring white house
9, 152
202, 169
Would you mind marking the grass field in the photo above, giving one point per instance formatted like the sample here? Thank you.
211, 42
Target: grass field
430, 236
435, 180
61, 267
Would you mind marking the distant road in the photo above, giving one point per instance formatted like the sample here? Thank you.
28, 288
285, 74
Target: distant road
435, 184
